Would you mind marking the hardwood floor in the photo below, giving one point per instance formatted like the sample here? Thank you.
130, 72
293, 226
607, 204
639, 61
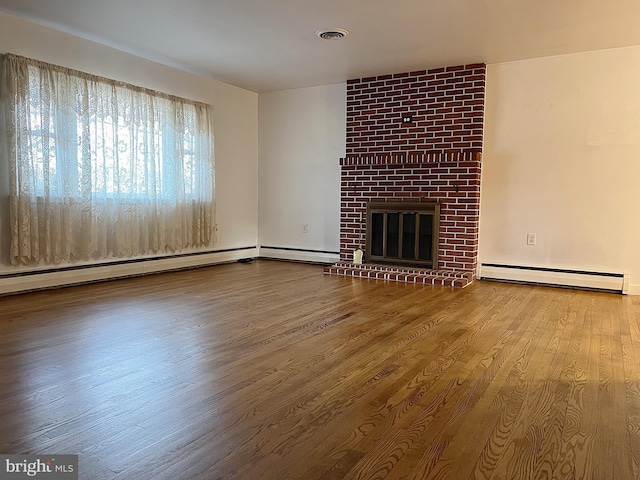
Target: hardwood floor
273, 370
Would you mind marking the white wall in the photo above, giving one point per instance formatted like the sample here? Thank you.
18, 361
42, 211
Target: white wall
562, 160
236, 113
302, 138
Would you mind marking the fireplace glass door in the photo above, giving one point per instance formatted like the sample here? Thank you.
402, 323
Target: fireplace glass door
404, 233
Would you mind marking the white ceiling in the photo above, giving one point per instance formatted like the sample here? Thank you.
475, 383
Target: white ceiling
264, 45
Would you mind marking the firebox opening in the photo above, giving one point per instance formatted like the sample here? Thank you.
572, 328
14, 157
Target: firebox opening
404, 233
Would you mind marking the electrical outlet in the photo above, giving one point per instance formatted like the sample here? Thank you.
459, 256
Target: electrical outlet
305, 228
407, 119
531, 238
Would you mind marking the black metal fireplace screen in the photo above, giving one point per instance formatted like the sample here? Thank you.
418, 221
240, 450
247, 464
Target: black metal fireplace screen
403, 233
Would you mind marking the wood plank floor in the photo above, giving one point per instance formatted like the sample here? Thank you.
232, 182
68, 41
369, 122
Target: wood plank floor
272, 370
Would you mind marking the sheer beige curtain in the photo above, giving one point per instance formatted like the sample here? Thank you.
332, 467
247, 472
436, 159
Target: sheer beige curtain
97, 168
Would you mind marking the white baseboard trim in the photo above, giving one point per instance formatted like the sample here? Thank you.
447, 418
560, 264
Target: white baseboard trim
298, 255
633, 290
61, 277
617, 282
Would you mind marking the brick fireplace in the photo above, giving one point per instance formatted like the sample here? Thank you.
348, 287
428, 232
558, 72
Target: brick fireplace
415, 137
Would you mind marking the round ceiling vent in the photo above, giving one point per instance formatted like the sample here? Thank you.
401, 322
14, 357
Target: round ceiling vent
332, 33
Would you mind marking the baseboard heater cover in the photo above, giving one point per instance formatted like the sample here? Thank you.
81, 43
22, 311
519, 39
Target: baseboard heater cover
615, 282
53, 278
299, 254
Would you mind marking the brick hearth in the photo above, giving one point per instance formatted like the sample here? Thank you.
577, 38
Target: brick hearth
445, 278
434, 157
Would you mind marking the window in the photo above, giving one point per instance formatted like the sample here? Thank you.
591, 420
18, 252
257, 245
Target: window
98, 168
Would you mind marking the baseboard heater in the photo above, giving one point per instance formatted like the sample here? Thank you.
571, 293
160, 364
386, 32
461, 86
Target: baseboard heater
615, 282
298, 254
88, 273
